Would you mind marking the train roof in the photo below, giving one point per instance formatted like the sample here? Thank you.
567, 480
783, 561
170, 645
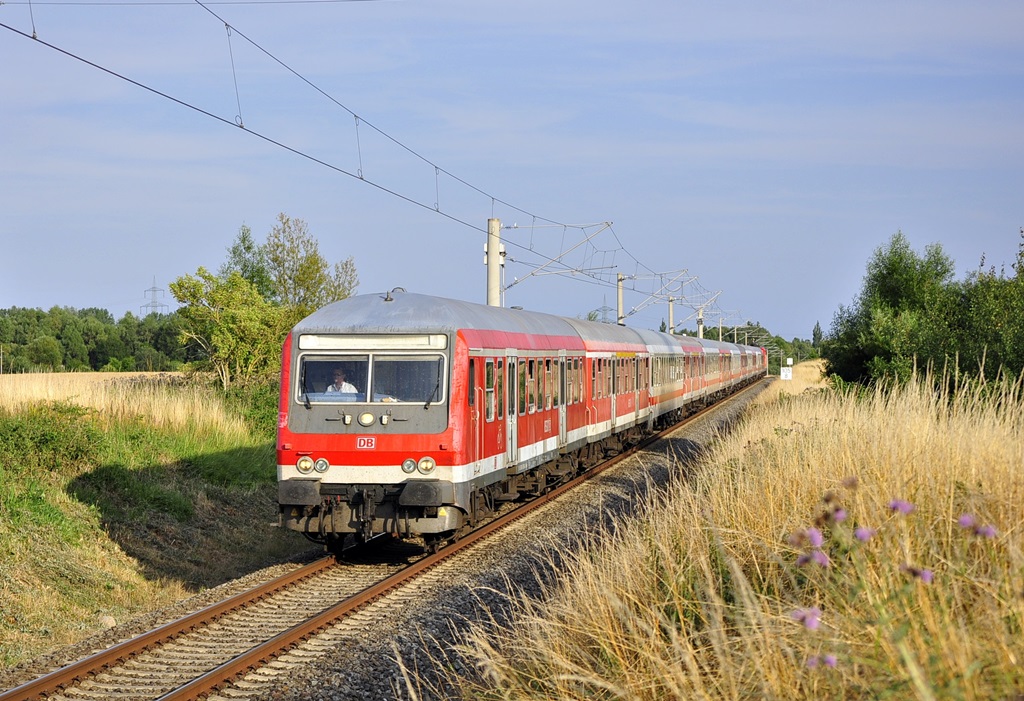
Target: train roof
405, 312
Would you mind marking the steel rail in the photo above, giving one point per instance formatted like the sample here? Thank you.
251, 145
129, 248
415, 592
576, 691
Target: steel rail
93, 664
281, 643
274, 647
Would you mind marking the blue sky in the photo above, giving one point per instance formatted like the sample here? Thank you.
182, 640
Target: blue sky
766, 149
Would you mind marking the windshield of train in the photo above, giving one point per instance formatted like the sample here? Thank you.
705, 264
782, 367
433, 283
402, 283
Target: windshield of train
416, 378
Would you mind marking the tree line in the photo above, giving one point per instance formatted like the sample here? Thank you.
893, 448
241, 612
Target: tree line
63, 338
232, 322
913, 313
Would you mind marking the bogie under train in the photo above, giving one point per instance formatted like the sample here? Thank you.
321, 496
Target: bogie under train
445, 409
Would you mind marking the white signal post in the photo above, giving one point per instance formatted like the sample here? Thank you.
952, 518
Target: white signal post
494, 262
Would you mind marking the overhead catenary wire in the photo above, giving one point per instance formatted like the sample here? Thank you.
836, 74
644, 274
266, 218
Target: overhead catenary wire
360, 175
561, 268
164, 3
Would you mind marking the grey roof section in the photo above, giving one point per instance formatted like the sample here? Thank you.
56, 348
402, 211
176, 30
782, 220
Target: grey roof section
660, 342
416, 313
405, 312
595, 331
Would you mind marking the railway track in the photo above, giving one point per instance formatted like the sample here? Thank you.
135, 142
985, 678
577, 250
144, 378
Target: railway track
232, 648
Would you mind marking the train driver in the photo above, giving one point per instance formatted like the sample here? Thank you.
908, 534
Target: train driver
340, 385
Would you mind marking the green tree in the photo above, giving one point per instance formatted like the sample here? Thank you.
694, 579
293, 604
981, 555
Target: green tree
912, 313
816, 335
893, 323
301, 277
249, 259
238, 331
45, 352
899, 279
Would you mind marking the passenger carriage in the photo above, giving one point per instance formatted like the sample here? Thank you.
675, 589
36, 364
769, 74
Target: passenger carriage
460, 406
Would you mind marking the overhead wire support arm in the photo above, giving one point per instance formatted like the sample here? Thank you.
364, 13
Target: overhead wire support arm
604, 226
661, 293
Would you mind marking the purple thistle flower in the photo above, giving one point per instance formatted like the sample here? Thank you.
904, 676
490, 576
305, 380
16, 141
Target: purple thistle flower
904, 507
803, 559
815, 538
966, 521
839, 515
986, 531
823, 660
809, 617
924, 575
863, 533
820, 558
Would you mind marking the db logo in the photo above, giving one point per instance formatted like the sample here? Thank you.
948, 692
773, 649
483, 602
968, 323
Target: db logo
366, 442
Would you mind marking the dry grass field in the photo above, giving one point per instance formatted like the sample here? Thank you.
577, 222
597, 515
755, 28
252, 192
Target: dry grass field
164, 398
119, 494
830, 547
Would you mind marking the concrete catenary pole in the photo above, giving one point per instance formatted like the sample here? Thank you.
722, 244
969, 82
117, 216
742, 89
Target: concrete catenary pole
622, 316
492, 258
671, 317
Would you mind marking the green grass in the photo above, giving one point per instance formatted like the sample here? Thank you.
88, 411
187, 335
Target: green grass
114, 512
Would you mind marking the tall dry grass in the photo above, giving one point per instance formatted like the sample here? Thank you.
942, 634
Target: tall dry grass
807, 375
166, 400
829, 548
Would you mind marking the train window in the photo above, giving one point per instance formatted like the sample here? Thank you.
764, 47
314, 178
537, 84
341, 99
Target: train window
560, 380
593, 378
408, 378
472, 381
541, 385
332, 379
415, 378
531, 385
522, 387
489, 388
549, 388
500, 389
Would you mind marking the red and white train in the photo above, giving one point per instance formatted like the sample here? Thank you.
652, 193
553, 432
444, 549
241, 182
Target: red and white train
457, 407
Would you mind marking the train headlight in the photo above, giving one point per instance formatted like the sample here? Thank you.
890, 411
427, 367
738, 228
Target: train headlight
366, 419
409, 466
321, 465
305, 464
426, 465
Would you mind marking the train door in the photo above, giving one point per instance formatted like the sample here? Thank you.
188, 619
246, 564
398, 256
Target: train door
612, 368
477, 400
512, 415
562, 400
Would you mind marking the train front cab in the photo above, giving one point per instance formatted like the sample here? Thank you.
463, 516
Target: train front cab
381, 459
